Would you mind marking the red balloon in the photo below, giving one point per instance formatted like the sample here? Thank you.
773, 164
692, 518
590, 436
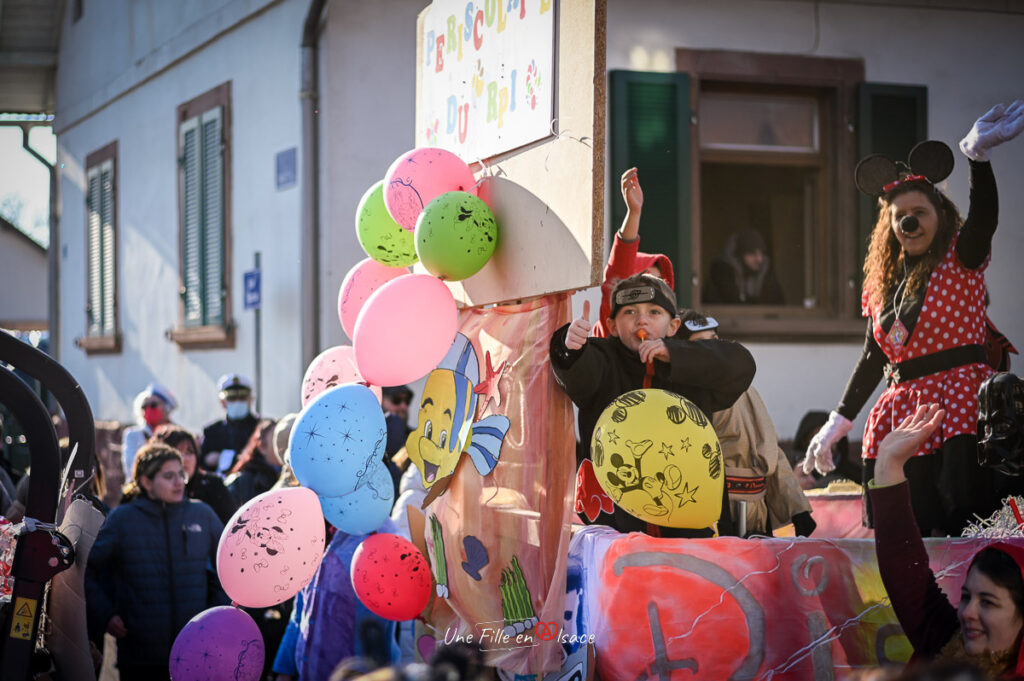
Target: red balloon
391, 577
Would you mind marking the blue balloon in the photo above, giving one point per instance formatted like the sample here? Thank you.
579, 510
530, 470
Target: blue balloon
366, 509
338, 439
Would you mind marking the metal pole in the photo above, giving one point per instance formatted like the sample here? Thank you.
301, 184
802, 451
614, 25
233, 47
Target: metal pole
259, 333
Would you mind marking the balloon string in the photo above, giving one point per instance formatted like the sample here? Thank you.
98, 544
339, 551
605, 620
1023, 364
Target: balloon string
585, 141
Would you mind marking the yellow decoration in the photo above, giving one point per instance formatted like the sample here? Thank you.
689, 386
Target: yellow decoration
657, 456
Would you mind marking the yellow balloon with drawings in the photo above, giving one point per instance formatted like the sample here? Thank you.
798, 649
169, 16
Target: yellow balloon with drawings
657, 456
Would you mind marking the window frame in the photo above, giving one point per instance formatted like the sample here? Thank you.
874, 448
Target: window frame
220, 335
838, 315
102, 343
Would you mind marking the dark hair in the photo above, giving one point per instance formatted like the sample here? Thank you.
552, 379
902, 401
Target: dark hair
1003, 570
150, 458
172, 435
692, 316
252, 447
883, 267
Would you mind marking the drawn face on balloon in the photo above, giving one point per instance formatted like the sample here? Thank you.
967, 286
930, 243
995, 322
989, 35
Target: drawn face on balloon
437, 443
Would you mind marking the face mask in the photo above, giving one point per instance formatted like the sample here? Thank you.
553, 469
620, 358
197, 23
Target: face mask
153, 416
237, 410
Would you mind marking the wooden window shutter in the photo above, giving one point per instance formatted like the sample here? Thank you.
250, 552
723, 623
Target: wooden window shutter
213, 215
191, 230
650, 129
891, 120
94, 301
107, 241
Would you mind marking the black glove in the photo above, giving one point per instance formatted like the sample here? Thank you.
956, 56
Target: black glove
804, 524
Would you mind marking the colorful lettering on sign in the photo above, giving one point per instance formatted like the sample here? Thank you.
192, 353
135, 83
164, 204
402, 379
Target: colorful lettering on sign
478, 40
440, 54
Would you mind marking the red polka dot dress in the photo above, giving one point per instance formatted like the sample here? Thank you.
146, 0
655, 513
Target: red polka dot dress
952, 315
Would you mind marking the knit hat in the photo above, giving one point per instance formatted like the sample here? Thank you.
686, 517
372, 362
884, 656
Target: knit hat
643, 288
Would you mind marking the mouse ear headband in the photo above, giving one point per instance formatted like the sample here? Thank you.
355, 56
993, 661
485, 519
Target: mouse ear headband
931, 162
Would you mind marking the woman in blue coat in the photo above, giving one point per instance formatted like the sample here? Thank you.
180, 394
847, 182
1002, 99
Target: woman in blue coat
151, 568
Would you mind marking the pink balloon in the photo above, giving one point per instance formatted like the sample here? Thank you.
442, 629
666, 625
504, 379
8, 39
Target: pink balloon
417, 176
391, 577
334, 366
361, 281
405, 329
271, 547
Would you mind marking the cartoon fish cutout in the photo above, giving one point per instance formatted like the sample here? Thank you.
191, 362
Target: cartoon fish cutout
446, 429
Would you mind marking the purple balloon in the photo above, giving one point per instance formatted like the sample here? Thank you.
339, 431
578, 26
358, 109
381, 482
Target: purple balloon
219, 643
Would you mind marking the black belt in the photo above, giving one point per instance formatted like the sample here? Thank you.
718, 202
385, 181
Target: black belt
944, 360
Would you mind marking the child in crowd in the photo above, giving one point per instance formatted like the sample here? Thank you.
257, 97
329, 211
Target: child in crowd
595, 371
625, 260
758, 476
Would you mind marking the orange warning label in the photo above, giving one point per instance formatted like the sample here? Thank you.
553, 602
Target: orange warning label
21, 622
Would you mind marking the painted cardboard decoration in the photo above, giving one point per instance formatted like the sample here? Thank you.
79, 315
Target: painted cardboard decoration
446, 427
476, 556
440, 562
516, 603
657, 456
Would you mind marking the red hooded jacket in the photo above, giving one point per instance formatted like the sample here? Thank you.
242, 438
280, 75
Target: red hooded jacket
623, 262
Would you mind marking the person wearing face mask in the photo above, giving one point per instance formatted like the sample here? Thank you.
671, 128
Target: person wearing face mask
224, 440
150, 569
924, 295
152, 408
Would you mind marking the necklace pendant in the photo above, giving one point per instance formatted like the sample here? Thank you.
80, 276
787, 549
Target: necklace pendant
897, 334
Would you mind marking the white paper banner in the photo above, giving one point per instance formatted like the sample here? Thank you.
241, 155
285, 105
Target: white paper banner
487, 76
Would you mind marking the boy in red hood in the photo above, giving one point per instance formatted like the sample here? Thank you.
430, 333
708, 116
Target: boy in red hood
625, 260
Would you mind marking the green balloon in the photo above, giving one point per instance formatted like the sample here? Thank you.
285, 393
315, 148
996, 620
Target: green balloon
456, 235
381, 237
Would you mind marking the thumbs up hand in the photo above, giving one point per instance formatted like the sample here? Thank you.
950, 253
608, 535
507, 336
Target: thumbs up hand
579, 330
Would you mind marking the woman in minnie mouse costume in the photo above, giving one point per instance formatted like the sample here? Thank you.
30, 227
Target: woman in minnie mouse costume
924, 292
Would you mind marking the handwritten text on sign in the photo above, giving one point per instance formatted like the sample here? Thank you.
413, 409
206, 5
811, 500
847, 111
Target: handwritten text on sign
487, 77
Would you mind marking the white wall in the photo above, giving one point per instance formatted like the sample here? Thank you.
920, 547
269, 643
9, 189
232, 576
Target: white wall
968, 60
23, 283
260, 56
368, 101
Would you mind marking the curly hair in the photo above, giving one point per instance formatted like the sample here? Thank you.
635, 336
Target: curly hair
883, 267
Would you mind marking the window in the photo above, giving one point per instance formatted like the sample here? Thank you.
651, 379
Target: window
204, 220
102, 326
756, 152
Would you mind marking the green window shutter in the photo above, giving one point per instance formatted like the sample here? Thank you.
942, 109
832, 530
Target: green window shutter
108, 237
892, 119
94, 302
213, 215
650, 129
191, 228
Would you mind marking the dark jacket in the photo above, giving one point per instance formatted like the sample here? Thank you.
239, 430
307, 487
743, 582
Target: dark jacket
152, 564
710, 373
227, 434
256, 477
210, 490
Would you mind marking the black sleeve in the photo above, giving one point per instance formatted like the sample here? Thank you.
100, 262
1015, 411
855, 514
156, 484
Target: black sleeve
975, 241
711, 373
561, 356
864, 379
579, 372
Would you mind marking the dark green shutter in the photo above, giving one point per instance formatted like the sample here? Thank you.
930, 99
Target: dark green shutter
100, 310
202, 168
213, 216
650, 129
191, 228
891, 120
107, 263
94, 312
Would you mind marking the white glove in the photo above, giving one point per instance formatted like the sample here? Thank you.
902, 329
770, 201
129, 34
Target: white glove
819, 452
1000, 124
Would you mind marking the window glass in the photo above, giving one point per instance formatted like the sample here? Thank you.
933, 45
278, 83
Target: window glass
758, 122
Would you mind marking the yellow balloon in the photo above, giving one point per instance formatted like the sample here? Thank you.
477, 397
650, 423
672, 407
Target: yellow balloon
657, 456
